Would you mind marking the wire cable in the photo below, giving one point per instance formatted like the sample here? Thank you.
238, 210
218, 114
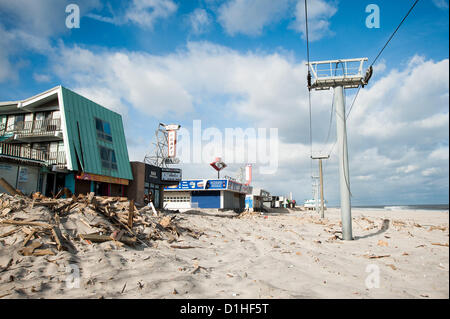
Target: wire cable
309, 90
392, 35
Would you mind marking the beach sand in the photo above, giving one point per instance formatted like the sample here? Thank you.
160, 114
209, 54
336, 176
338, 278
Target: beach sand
281, 254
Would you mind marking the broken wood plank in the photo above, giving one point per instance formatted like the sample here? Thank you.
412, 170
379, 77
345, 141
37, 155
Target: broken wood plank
27, 239
439, 244
43, 252
28, 251
20, 223
46, 204
11, 190
57, 238
375, 256
155, 213
96, 238
90, 197
59, 194
10, 232
182, 247
131, 214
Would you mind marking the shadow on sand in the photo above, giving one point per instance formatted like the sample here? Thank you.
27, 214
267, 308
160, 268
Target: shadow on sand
384, 227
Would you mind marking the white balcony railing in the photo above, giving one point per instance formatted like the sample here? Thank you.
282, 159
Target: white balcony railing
24, 152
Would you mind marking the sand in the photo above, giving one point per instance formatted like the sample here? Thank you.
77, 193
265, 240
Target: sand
281, 254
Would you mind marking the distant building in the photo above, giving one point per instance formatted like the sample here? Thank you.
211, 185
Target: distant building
206, 193
258, 199
58, 139
151, 180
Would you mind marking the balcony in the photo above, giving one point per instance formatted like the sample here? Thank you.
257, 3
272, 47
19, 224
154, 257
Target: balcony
20, 152
29, 131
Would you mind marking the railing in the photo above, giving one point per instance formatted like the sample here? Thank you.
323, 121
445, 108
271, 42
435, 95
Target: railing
20, 151
38, 127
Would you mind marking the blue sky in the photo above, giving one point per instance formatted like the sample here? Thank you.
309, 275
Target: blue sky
240, 63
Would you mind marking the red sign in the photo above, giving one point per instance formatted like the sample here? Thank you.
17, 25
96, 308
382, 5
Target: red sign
172, 143
218, 165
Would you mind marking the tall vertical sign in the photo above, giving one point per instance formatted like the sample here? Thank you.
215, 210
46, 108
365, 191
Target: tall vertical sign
172, 143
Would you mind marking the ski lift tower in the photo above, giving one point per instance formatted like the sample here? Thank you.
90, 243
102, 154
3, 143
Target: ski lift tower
340, 75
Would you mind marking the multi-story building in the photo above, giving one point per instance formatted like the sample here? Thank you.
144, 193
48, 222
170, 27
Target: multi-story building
58, 139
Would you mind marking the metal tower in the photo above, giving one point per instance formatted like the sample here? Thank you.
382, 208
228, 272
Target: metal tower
159, 153
340, 75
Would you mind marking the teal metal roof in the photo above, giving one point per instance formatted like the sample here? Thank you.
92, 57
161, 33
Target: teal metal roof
80, 114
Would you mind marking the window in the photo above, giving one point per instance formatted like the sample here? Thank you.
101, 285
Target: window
108, 158
103, 130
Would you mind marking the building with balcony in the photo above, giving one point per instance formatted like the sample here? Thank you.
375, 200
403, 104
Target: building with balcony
58, 139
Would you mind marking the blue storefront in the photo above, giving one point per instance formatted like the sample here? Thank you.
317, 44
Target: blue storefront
213, 193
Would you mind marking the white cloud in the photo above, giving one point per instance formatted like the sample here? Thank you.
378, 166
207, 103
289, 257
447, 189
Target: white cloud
319, 14
199, 21
250, 16
441, 4
440, 154
143, 13
397, 130
407, 169
430, 171
146, 12
41, 78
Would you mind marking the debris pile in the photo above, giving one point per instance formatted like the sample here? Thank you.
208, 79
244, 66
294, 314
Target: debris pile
42, 226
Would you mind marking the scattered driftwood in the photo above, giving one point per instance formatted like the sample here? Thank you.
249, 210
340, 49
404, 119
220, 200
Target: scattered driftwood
112, 219
375, 256
182, 247
439, 244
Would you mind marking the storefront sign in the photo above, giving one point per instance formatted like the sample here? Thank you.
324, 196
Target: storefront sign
189, 184
216, 184
171, 174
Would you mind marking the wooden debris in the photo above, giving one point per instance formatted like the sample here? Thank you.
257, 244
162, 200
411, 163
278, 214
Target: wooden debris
28, 251
439, 244
56, 236
182, 247
165, 222
17, 222
131, 214
392, 266
10, 232
11, 190
375, 256
96, 238
109, 219
43, 252
25, 242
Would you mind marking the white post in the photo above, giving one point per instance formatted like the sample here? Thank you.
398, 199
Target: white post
322, 213
344, 176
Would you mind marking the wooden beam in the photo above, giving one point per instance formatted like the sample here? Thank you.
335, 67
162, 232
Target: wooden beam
11, 190
18, 222
131, 214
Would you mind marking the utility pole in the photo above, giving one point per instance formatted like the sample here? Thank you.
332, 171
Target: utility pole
320, 158
316, 192
340, 75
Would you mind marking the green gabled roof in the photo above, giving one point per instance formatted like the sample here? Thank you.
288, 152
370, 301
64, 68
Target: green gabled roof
83, 143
